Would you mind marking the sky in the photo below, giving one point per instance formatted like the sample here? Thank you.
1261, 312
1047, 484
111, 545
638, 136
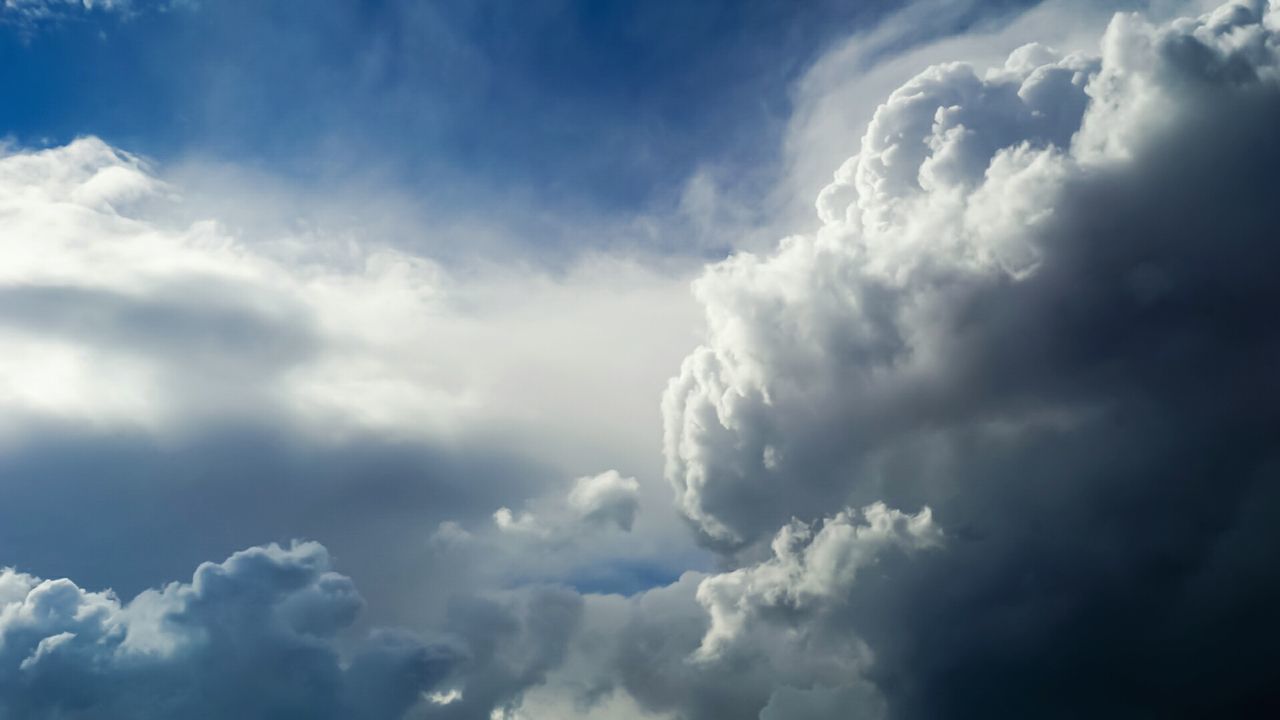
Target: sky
695, 361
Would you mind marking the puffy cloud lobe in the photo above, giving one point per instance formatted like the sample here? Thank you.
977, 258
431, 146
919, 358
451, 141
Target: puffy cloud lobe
1040, 305
607, 498
251, 637
594, 502
765, 640
808, 569
651, 646
850, 308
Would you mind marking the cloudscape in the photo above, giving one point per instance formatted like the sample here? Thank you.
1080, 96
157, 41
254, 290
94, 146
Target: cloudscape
719, 360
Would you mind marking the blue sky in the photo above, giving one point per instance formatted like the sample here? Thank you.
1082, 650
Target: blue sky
597, 106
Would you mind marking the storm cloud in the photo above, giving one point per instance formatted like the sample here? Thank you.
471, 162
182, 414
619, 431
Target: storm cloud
1041, 304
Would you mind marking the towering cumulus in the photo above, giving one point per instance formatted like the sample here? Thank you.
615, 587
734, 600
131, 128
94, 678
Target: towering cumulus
1042, 306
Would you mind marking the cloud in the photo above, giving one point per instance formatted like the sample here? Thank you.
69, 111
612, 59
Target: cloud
29, 13
594, 502
139, 334
253, 637
209, 384
514, 639
48, 6
1032, 339
646, 648
1037, 305
585, 534
808, 569
961, 188
607, 498
258, 636
127, 305
767, 639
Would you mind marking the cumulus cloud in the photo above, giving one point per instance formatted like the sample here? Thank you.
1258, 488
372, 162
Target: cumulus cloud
253, 637
583, 534
607, 498
960, 189
594, 502
808, 568
258, 636
648, 648
767, 639
1039, 305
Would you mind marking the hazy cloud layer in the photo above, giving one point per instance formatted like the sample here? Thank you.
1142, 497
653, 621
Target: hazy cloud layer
120, 311
173, 390
249, 386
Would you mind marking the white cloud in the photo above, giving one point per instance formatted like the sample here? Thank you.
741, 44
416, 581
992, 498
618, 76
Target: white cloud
594, 502
29, 11
809, 569
606, 498
119, 314
958, 177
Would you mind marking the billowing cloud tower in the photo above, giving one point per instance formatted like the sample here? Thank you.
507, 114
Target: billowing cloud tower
1042, 306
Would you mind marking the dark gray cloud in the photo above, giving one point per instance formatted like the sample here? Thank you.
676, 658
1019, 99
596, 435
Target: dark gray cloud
514, 640
1041, 306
